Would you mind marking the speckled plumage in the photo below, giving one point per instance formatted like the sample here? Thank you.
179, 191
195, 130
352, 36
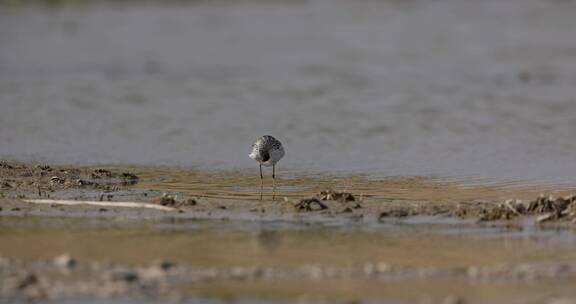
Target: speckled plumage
267, 150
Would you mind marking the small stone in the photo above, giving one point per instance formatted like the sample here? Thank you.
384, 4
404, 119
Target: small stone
164, 264
239, 273
27, 280
166, 200
190, 202
152, 273
123, 276
65, 261
394, 213
82, 182
383, 267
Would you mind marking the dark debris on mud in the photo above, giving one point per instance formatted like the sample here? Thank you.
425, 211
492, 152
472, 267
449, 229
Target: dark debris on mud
172, 201
347, 202
547, 208
310, 204
18, 180
544, 208
331, 195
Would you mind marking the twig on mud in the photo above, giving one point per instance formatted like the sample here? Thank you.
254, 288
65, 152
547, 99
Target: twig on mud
105, 204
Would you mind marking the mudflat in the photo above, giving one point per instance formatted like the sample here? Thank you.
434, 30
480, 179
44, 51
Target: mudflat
318, 238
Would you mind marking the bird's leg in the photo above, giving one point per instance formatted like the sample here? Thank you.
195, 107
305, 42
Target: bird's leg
261, 176
273, 181
274, 175
261, 182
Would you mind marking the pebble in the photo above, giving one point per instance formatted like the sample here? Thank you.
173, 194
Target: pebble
65, 261
163, 264
27, 280
123, 276
153, 273
383, 267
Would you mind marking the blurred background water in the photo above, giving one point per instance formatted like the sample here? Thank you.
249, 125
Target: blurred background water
470, 89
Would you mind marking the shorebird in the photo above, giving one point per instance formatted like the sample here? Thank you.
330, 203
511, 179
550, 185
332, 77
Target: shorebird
267, 150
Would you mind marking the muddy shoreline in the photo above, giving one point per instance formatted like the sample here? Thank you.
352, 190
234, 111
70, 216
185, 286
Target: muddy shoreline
20, 181
322, 232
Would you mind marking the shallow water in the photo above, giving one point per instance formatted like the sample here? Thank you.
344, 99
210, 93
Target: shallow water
289, 252
466, 89
244, 185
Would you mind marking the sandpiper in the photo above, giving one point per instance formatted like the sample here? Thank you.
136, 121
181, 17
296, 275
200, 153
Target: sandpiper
267, 150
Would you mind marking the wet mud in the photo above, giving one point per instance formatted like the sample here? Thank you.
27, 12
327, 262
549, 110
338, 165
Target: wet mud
312, 238
236, 195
